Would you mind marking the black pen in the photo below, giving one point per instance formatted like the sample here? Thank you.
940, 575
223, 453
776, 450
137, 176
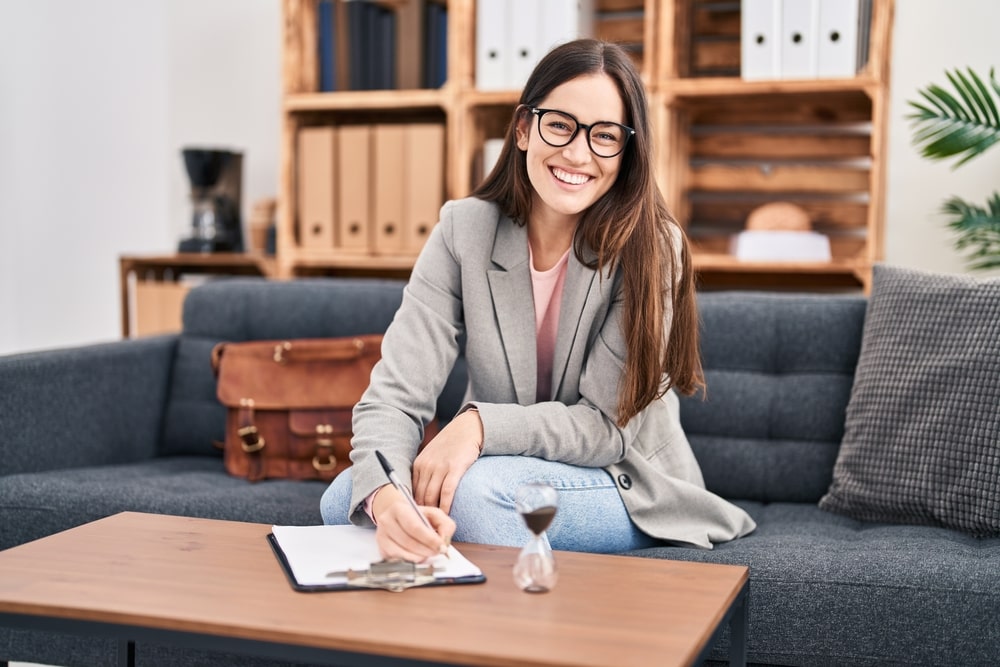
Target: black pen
394, 478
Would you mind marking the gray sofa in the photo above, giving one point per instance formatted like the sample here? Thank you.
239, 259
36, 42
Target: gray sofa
91, 431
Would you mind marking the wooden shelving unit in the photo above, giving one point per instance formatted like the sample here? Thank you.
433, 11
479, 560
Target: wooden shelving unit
153, 287
724, 145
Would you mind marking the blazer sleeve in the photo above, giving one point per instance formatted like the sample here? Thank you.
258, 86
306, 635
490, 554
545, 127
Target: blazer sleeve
419, 349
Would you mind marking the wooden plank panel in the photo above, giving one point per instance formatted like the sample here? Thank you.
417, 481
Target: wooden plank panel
619, 5
711, 22
778, 178
795, 110
627, 30
835, 214
750, 145
310, 47
716, 55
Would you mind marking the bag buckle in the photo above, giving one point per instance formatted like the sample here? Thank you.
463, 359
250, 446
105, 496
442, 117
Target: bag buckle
318, 461
279, 351
250, 439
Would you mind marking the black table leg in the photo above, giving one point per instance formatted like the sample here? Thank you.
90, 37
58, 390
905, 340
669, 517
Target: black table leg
738, 624
126, 653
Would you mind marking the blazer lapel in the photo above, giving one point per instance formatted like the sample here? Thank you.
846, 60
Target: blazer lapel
510, 287
580, 303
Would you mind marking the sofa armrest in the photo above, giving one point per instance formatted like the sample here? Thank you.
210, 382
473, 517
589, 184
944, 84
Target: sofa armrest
83, 406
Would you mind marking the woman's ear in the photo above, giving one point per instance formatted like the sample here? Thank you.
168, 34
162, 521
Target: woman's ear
521, 130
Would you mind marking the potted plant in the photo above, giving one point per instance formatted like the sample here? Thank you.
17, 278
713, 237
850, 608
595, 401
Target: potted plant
963, 124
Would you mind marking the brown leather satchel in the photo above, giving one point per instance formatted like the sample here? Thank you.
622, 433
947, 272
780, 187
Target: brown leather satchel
289, 404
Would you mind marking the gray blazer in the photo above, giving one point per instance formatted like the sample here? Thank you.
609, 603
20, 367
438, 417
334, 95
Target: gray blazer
473, 278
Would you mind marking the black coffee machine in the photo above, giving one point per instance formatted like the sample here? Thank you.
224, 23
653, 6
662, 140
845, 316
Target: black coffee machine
216, 182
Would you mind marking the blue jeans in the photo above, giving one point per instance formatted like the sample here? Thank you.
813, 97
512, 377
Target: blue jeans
591, 515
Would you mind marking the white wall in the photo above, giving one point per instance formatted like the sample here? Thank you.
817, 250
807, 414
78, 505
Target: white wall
930, 37
98, 97
83, 161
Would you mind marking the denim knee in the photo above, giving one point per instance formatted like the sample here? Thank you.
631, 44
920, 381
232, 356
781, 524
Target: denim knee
335, 504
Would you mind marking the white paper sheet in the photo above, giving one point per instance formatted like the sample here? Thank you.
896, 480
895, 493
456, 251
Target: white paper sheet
314, 551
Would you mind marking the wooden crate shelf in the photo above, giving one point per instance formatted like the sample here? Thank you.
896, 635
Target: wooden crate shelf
724, 145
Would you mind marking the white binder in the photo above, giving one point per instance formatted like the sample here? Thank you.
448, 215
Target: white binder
523, 41
760, 27
562, 21
837, 43
491, 154
492, 58
799, 22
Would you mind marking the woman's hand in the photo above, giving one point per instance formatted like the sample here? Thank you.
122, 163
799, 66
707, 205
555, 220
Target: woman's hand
438, 469
401, 534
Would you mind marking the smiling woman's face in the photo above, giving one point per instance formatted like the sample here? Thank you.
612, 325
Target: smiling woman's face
567, 180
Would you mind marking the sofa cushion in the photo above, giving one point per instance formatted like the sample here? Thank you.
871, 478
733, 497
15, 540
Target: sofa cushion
33, 505
779, 369
922, 435
826, 589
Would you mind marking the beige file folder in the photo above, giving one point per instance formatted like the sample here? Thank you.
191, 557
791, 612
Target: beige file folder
424, 183
387, 202
354, 156
316, 182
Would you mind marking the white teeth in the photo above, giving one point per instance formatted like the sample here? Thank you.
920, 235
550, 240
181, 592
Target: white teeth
572, 179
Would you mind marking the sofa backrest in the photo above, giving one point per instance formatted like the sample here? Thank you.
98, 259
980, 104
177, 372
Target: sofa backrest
779, 370
241, 309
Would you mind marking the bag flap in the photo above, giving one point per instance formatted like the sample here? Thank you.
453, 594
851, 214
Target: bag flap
304, 422
303, 373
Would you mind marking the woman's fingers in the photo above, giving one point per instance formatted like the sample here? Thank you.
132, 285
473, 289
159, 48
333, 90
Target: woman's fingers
403, 534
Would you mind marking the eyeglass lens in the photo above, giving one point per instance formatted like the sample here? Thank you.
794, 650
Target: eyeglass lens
558, 129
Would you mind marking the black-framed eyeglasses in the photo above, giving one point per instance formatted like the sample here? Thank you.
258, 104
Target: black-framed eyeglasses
558, 128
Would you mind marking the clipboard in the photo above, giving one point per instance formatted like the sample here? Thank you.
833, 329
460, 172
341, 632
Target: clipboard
342, 558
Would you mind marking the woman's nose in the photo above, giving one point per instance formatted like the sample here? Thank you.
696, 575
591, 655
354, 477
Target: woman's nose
578, 150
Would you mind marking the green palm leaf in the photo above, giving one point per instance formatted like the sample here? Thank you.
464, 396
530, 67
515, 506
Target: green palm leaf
964, 123
978, 230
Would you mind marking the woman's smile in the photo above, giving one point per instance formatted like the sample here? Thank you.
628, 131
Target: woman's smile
570, 177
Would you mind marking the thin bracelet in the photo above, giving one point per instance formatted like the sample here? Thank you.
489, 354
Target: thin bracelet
372, 505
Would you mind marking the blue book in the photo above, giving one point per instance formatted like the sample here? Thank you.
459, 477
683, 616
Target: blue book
442, 46
326, 17
435, 45
357, 57
382, 48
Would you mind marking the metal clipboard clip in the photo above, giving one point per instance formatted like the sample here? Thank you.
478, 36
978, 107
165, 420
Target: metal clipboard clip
390, 575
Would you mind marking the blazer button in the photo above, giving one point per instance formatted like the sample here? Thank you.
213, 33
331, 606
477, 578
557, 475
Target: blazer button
625, 481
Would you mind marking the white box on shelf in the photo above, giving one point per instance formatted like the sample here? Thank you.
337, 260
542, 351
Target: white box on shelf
780, 245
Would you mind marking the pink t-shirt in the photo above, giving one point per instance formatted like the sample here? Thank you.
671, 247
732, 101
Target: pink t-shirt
547, 287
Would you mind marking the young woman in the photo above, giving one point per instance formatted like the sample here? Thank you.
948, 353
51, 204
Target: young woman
573, 288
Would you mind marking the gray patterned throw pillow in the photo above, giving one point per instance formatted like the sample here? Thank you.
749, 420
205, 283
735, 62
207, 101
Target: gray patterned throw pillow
922, 436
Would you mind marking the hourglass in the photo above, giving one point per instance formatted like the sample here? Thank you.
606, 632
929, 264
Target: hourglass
535, 570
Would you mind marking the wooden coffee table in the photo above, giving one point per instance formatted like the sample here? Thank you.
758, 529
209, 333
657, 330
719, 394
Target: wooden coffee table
217, 585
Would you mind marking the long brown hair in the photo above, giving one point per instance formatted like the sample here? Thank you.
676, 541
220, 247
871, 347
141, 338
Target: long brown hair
629, 229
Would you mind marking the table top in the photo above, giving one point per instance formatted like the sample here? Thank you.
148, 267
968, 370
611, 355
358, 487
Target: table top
221, 578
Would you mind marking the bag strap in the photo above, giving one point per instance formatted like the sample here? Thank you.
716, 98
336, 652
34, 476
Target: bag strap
317, 349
